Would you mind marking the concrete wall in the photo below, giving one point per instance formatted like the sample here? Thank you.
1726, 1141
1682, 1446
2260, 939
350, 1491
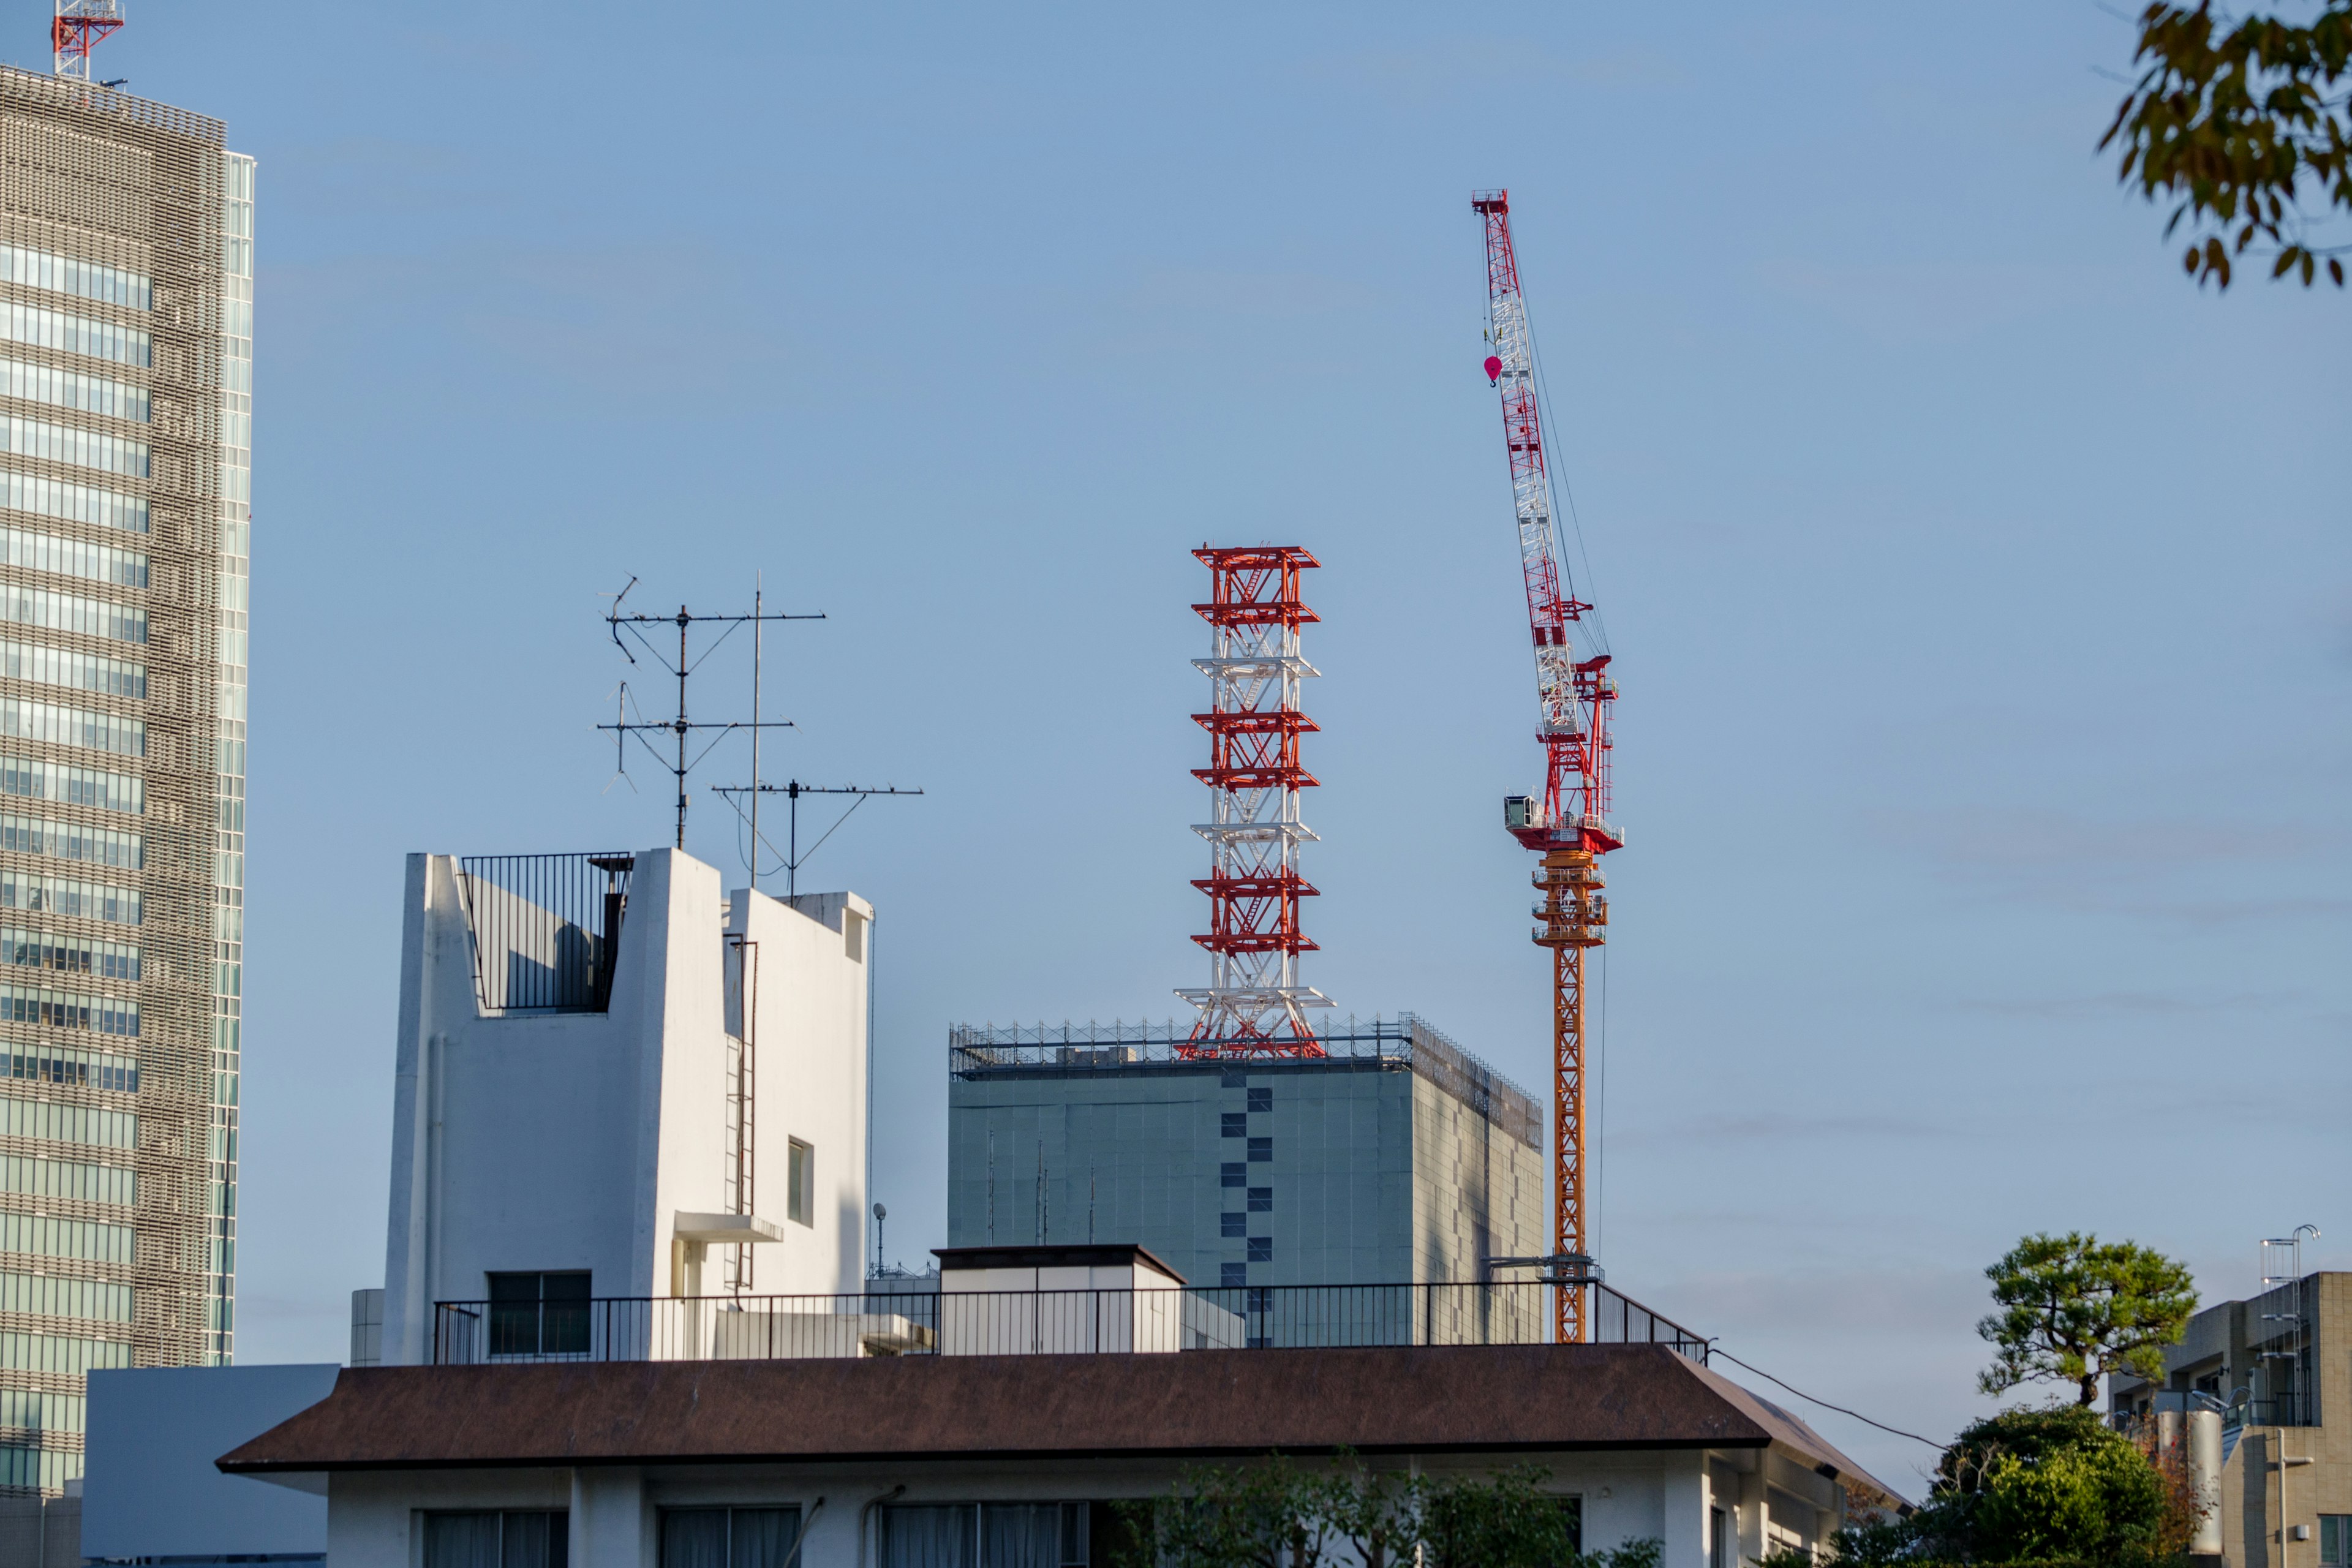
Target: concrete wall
1625, 1496
2223, 1352
1477, 1191
810, 992
573, 1140
1137, 1155
1379, 1176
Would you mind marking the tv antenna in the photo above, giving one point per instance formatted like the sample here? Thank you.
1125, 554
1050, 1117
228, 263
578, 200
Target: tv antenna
681, 728
791, 790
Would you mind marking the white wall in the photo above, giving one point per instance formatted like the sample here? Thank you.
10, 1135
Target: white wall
809, 990
573, 1140
1626, 1496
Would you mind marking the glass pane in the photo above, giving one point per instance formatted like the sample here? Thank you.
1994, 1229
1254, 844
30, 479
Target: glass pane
461, 1541
763, 1537
533, 1540
514, 1315
1021, 1536
694, 1538
927, 1537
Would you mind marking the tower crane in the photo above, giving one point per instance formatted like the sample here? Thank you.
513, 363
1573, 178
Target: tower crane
1568, 824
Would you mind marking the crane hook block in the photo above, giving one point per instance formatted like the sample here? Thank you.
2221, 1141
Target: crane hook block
1494, 369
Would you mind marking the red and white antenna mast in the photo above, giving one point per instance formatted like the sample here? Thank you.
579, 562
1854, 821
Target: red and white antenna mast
1569, 825
1253, 1003
80, 27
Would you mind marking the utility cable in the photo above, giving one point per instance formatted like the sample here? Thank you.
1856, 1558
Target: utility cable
1824, 1403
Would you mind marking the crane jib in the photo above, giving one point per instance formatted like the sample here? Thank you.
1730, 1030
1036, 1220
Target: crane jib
1568, 823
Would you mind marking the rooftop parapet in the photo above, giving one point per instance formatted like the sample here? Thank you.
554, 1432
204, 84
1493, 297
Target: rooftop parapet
1406, 1043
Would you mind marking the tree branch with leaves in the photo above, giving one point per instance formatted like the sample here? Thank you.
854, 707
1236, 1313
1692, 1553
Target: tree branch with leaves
2234, 122
2074, 1309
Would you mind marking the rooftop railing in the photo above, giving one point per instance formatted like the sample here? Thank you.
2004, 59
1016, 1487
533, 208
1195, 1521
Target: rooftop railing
1407, 1041
1032, 1322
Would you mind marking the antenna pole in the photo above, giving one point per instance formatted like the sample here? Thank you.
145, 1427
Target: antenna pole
758, 651
684, 621
682, 726
791, 790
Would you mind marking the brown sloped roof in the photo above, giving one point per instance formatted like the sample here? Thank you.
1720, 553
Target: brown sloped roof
1195, 1403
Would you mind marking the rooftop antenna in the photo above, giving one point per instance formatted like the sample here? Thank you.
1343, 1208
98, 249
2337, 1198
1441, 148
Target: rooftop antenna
679, 727
791, 858
79, 27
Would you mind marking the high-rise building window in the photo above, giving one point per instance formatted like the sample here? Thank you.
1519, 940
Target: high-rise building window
1232, 1223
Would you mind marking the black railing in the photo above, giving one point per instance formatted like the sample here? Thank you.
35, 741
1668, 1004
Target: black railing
1040, 1322
2281, 1410
545, 929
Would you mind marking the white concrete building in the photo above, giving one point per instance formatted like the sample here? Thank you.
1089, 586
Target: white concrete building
1019, 1461
617, 1081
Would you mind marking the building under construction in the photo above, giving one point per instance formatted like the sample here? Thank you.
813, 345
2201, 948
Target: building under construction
1394, 1157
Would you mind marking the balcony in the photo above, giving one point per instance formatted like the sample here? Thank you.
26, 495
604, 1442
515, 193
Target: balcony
1034, 1322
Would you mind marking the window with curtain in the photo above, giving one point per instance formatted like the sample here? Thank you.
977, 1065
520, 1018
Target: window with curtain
985, 1535
516, 1539
539, 1314
729, 1537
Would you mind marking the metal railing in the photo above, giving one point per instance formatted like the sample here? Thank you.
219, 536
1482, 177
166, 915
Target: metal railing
545, 929
1034, 1322
2279, 1410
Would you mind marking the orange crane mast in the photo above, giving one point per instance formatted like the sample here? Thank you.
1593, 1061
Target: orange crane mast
1569, 823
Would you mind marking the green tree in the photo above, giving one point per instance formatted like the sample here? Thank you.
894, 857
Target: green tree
2233, 121
1275, 1514
2045, 1487
2074, 1309
2057, 1483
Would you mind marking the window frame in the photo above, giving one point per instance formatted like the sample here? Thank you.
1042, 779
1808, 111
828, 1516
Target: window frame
559, 1532
727, 1547
800, 1181
562, 1334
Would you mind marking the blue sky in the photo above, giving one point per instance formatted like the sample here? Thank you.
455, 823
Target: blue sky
1981, 592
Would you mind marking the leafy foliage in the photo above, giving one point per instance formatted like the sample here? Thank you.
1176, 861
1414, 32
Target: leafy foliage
2074, 1309
2050, 1489
2050, 1483
1277, 1515
2232, 121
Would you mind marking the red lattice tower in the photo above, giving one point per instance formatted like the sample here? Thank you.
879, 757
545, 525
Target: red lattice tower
1253, 1003
80, 26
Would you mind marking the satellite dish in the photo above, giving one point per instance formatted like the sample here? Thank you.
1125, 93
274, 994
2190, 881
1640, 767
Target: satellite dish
1494, 369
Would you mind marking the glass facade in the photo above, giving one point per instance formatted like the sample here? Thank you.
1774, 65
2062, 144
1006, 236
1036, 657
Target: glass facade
228, 877
126, 384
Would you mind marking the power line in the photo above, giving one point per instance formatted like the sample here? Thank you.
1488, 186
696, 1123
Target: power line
1712, 1351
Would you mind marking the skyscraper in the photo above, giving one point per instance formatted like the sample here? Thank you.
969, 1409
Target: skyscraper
126, 307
